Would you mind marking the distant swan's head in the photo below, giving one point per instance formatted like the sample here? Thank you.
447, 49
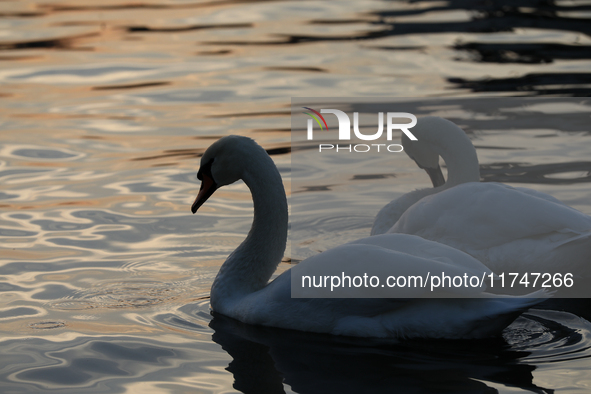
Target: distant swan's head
223, 163
422, 151
439, 137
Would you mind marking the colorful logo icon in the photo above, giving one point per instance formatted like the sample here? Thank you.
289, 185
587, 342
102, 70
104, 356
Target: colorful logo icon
315, 118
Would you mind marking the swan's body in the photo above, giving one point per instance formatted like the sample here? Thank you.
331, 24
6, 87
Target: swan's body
508, 229
241, 291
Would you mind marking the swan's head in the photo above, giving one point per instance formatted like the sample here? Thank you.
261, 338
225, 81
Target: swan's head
422, 151
224, 163
439, 137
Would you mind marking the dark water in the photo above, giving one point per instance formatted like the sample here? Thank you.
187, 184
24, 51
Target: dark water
107, 106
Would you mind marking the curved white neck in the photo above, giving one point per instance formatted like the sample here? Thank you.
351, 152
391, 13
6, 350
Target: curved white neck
252, 264
461, 161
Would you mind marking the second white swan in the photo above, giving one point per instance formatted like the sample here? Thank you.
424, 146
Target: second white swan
508, 229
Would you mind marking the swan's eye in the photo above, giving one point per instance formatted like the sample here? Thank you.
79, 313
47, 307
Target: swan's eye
205, 169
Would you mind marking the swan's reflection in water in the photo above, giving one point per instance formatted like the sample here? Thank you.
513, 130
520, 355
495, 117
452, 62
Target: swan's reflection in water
265, 358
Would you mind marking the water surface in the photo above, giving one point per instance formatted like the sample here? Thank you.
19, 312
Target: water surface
107, 107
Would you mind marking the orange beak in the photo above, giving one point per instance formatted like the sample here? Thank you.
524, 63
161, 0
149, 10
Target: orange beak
208, 187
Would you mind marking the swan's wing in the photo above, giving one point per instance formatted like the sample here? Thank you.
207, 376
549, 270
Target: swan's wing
484, 215
391, 212
389, 255
451, 258
386, 258
535, 193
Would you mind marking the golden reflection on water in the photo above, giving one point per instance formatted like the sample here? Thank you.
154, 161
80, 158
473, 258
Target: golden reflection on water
107, 107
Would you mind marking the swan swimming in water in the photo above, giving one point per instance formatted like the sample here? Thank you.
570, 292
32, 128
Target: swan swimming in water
509, 229
241, 289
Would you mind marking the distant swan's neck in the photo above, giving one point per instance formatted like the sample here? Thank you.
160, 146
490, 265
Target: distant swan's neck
251, 265
461, 161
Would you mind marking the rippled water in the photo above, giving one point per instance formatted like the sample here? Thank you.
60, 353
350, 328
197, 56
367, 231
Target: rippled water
107, 106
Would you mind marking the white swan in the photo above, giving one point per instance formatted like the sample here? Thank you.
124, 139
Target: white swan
241, 291
508, 229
